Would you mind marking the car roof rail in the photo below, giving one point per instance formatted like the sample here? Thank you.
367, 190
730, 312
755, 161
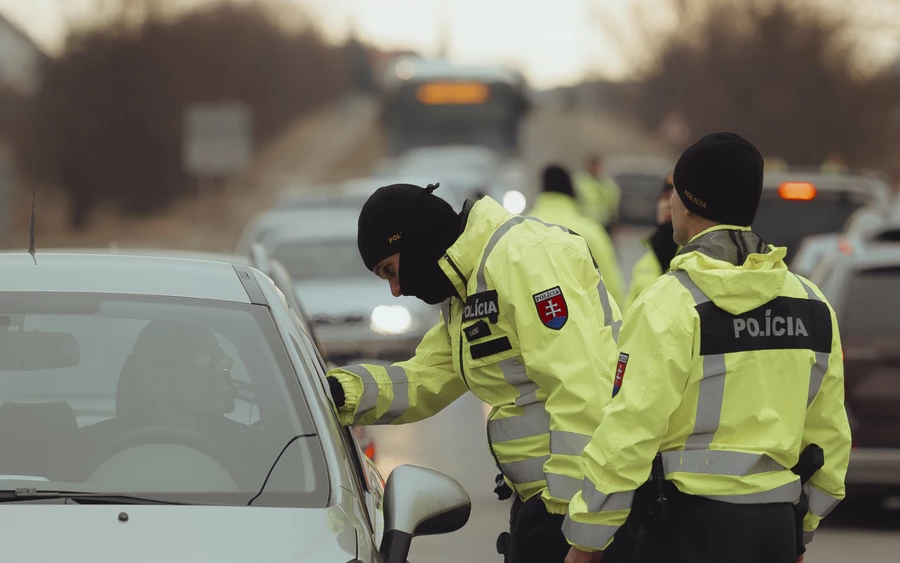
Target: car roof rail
259, 258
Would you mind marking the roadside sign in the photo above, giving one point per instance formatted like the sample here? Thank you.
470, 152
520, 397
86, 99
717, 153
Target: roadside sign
217, 139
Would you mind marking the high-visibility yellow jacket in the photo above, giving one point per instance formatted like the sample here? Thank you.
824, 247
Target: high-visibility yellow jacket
600, 197
729, 365
561, 209
645, 271
533, 335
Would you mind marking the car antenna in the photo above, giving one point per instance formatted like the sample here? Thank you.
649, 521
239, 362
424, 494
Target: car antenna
33, 189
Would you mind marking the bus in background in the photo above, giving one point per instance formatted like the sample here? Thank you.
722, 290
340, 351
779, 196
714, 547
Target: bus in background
432, 103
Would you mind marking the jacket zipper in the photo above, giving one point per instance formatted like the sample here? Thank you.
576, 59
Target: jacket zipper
462, 369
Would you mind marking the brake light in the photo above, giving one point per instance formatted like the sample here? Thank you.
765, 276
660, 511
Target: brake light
803, 191
845, 247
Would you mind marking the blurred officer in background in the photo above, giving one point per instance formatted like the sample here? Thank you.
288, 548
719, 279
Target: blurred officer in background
661, 248
557, 204
527, 325
599, 194
736, 367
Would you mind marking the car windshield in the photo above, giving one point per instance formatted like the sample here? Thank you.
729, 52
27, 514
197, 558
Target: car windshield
785, 222
873, 302
320, 260
183, 399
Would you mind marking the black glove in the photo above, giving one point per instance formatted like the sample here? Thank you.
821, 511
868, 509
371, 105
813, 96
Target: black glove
502, 489
337, 391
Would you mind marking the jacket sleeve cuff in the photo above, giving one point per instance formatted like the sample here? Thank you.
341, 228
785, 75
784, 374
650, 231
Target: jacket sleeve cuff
353, 390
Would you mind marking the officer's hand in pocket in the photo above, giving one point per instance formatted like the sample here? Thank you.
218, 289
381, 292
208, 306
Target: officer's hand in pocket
577, 556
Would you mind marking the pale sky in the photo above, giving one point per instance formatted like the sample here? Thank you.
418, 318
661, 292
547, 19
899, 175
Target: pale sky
552, 41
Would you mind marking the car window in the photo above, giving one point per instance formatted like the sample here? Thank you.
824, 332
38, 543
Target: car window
783, 222
320, 260
184, 398
873, 302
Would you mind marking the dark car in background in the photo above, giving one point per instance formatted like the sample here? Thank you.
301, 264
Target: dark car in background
797, 204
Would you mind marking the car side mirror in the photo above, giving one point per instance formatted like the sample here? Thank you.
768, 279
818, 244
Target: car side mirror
419, 501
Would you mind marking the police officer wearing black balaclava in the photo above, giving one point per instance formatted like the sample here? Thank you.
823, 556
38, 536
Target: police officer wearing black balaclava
527, 325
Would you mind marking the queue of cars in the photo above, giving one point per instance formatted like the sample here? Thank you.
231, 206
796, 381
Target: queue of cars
189, 389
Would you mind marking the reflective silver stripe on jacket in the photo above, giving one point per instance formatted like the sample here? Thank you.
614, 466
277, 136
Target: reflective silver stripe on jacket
370, 391
369, 399
718, 462
594, 536
789, 492
817, 373
820, 503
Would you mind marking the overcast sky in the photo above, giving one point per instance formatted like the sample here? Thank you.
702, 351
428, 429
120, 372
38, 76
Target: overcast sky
553, 41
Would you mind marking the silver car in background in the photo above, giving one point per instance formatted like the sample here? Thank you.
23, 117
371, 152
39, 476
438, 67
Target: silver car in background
351, 310
169, 409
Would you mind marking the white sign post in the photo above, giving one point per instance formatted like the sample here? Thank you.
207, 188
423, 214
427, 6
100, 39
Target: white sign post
218, 141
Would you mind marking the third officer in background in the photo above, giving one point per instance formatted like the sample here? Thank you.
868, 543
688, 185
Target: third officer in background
661, 249
598, 193
729, 366
557, 204
528, 326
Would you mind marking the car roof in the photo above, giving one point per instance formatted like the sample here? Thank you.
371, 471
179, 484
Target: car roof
875, 256
97, 272
234, 259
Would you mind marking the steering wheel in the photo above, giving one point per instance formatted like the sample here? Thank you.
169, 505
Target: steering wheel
182, 437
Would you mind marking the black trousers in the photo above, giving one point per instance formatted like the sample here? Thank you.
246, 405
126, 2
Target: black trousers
535, 536
709, 531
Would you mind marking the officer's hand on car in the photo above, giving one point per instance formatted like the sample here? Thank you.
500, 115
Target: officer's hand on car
337, 391
577, 556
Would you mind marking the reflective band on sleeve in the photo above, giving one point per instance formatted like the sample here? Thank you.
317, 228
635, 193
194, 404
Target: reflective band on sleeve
370, 391
816, 375
820, 503
534, 422
568, 443
400, 402
495, 238
525, 471
562, 486
709, 403
600, 502
808, 537
718, 462
789, 492
594, 536
607, 309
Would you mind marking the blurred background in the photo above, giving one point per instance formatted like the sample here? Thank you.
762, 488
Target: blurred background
211, 125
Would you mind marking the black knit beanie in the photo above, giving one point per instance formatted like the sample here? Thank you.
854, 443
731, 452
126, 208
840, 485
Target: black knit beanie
403, 217
720, 178
556, 179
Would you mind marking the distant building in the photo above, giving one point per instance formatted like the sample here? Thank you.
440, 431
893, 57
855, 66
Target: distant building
20, 61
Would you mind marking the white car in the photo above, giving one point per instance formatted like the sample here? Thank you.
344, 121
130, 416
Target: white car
171, 409
352, 311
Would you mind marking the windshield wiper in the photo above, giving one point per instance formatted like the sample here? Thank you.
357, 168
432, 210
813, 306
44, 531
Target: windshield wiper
277, 459
26, 495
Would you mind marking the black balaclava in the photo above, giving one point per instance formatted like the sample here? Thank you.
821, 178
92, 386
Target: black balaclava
420, 226
662, 241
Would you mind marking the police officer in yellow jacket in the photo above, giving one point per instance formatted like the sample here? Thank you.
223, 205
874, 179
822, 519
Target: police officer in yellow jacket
557, 204
527, 325
661, 249
729, 366
599, 194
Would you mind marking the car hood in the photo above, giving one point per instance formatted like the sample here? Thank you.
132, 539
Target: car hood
351, 297
176, 533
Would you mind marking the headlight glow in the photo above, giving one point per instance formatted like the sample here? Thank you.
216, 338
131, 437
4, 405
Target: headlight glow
514, 201
391, 319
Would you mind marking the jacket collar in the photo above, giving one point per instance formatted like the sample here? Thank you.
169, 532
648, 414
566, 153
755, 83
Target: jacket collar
479, 221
